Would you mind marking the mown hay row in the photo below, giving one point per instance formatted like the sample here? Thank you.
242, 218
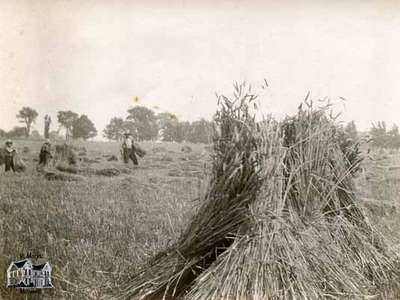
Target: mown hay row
59, 176
67, 168
73, 169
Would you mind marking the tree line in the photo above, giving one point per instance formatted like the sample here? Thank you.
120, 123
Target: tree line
379, 136
144, 124
76, 126
383, 137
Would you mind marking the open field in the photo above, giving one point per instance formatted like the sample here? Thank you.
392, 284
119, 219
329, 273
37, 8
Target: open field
101, 229
97, 231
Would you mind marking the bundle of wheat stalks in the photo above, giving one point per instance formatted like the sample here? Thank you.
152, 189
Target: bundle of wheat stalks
280, 219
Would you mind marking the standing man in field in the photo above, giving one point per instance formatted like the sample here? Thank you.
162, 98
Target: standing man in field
9, 156
45, 155
128, 149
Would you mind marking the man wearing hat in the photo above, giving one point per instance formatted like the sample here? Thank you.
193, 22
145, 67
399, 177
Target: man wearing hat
45, 155
10, 153
128, 149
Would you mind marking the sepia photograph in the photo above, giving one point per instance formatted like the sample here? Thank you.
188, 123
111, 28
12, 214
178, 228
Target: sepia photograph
199, 150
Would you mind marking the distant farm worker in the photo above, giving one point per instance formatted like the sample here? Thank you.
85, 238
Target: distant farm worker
128, 149
45, 155
9, 156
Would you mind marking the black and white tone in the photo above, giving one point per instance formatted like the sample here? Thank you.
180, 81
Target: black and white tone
200, 150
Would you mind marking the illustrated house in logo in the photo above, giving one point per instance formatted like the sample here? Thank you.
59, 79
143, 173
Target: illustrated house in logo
26, 274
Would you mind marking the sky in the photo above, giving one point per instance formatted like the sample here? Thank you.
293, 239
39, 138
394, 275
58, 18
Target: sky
96, 57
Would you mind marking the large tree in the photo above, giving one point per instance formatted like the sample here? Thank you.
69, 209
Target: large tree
83, 128
47, 122
168, 124
142, 123
115, 129
200, 131
27, 116
67, 119
184, 130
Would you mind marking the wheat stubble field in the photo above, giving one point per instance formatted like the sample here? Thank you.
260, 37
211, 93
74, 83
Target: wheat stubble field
100, 229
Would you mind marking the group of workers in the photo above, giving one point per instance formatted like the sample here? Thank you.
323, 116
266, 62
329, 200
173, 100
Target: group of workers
128, 151
10, 154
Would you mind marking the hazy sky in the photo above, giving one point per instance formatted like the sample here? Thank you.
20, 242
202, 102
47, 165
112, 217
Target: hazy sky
95, 57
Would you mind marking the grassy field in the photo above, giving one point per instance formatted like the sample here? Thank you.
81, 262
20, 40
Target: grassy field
98, 231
